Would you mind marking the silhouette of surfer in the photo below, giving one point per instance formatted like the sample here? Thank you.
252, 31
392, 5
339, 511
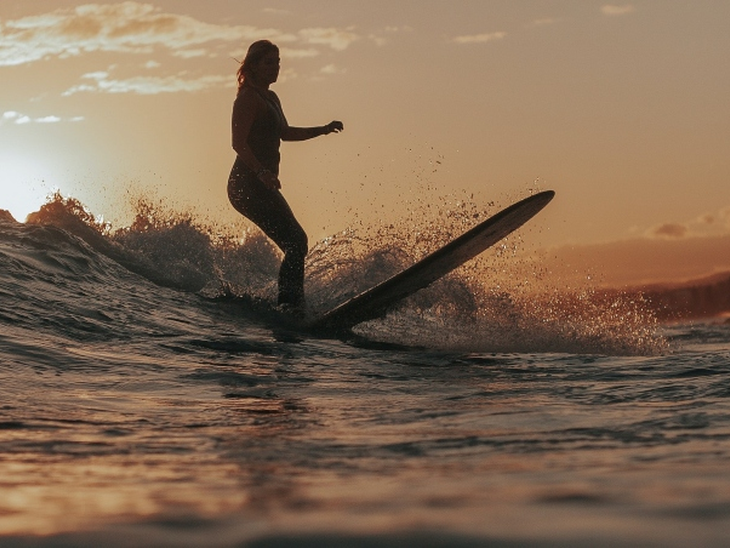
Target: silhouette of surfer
254, 189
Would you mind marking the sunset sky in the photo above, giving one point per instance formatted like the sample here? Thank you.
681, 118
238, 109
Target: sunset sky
622, 108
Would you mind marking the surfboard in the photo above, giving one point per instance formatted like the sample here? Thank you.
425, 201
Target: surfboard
377, 301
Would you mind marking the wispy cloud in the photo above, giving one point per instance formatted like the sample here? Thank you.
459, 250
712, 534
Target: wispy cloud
126, 27
544, 22
299, 53
721, 219
708, 224
669, 230
479, 38
334, 38
17, 118
332, 69
138, 28
147, 85
383, 37
613, 10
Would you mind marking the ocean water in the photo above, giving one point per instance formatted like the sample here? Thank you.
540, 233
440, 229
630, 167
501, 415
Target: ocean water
151, 396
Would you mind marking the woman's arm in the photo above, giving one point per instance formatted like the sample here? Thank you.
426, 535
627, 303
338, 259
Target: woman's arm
290, 133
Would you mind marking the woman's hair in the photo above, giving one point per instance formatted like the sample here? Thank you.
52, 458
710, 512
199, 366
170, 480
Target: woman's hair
256, 51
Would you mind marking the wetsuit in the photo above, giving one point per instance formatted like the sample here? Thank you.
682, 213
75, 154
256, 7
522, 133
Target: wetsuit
267, 207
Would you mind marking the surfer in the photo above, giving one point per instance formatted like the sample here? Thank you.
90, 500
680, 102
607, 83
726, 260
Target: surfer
254, 189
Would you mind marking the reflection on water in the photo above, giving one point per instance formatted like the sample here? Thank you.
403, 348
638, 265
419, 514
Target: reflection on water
321, 436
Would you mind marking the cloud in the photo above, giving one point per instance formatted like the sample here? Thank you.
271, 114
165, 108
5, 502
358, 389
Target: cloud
142, 29
297, 53
479, 38
380, 40
716, 223
721, 219
613, 10
332, 69
147, 85
669, 230
13, 117
335, 38
136, 28
48, 120
547, 21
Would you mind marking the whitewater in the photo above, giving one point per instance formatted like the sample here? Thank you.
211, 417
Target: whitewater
151, 395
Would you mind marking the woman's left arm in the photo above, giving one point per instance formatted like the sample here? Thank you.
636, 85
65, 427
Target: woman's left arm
293, 133
289, 133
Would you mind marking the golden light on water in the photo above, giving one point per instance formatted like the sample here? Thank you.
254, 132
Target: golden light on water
87, 492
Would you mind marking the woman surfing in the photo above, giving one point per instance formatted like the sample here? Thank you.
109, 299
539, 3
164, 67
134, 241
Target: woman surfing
258, 127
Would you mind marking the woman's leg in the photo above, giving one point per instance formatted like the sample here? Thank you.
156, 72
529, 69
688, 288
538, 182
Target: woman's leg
270, 211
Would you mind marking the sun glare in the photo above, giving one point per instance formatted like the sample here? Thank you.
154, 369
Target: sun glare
24, 186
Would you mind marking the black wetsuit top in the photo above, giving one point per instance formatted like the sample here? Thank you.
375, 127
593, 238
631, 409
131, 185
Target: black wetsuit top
264, 138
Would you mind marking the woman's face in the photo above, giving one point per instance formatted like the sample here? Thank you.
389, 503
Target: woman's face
266, 70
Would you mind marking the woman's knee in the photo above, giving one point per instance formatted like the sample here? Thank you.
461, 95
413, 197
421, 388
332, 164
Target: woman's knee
299, 244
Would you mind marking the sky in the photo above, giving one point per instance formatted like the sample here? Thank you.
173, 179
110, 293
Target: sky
621, 108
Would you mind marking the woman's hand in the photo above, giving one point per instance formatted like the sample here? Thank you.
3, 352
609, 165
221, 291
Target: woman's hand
269, 179
334, 126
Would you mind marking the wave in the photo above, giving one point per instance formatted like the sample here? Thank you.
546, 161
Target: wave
499, 302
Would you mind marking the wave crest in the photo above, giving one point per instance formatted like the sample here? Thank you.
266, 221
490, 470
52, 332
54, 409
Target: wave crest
502, 301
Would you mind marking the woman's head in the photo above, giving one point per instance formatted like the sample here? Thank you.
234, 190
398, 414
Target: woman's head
259, 53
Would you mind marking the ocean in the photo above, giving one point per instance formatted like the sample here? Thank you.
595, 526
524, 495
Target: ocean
151, 395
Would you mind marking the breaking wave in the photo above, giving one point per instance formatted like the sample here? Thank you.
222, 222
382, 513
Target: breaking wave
502, 301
